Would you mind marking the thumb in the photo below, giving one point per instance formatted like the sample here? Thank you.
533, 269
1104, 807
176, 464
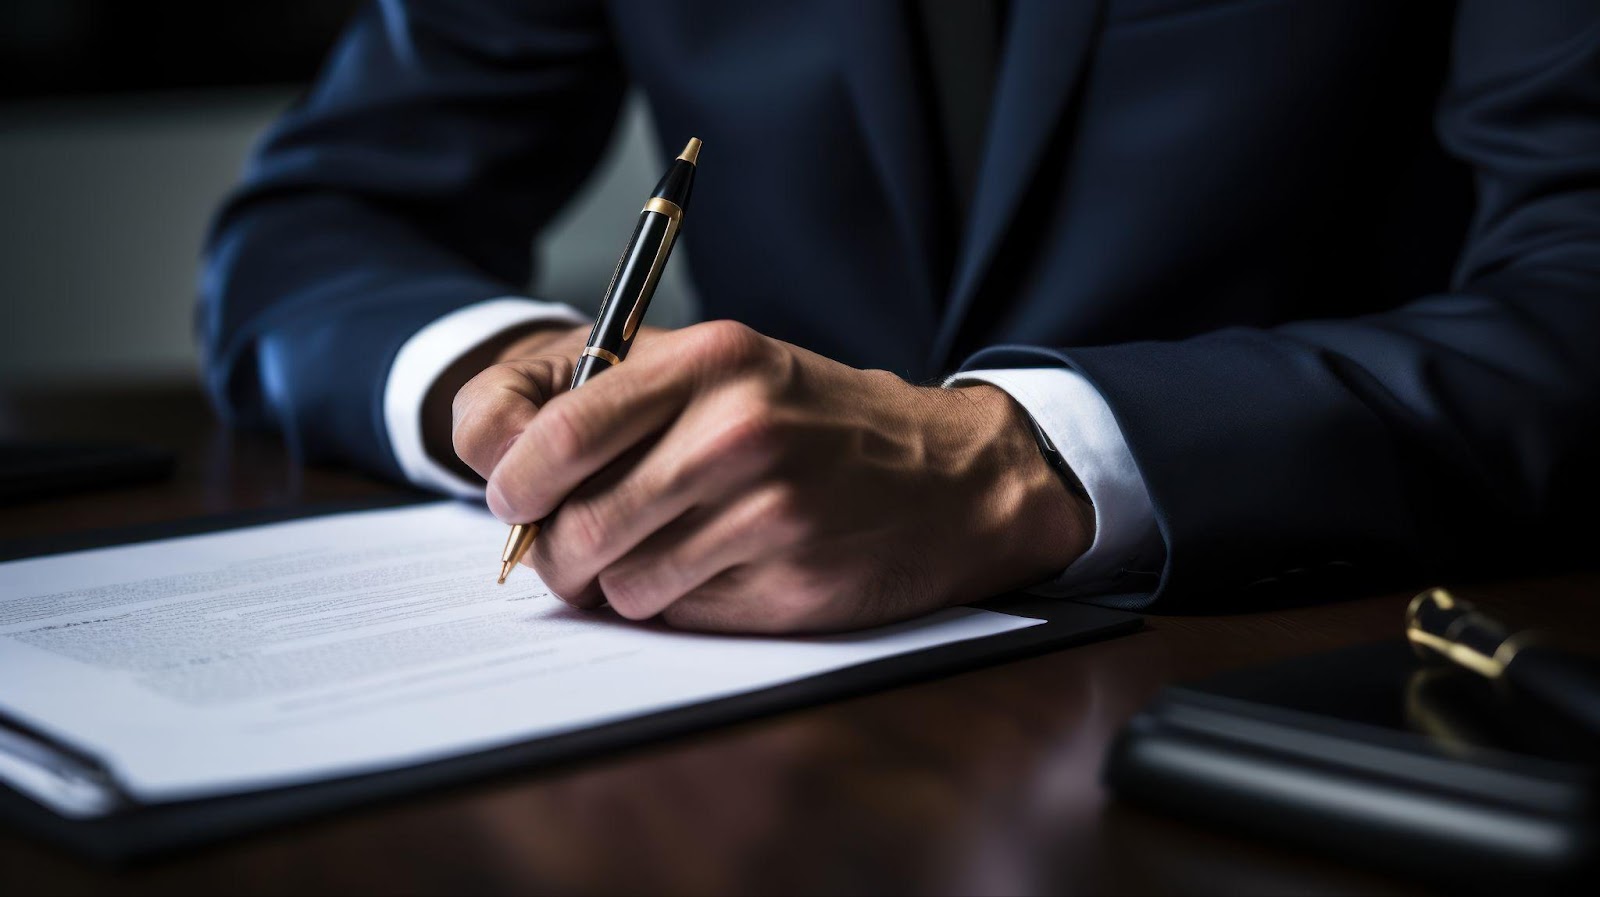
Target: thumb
491, 411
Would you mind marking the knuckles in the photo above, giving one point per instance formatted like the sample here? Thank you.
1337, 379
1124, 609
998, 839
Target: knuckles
627, 592
804, 606
751, 433
578, 532
723, 345
562, 551
781, 611
781, 515
566, 588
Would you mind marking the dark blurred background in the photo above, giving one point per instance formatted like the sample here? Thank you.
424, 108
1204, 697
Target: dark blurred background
122, 125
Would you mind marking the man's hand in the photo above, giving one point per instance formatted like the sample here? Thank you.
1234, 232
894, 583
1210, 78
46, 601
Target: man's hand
728, 481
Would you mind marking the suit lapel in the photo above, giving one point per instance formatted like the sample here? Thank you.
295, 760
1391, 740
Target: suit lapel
880, 70
1047, 44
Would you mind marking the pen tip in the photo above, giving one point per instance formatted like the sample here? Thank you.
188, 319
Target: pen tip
691, 153
505, 570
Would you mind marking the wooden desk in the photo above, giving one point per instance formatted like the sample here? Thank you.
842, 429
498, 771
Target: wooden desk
986, 782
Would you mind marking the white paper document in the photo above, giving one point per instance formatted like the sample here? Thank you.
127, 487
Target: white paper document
336, 645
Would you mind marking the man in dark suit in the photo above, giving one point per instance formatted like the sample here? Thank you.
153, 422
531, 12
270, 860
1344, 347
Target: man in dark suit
1299, 292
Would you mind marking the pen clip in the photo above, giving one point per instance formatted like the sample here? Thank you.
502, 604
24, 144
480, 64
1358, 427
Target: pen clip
657, 264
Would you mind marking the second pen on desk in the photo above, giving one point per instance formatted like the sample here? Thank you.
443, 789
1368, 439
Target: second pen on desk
626, 299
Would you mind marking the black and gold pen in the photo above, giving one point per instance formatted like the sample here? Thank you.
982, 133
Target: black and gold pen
626, 300
1527, 663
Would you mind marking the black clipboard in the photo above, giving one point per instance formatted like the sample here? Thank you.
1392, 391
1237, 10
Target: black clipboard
143, 831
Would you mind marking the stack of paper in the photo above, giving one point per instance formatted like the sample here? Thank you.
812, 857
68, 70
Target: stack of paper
337, 645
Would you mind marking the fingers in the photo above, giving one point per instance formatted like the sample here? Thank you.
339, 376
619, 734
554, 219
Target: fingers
602, 520
491, 411
759, 599
611, 466
580, 432
691, 551
706, 456
723, 604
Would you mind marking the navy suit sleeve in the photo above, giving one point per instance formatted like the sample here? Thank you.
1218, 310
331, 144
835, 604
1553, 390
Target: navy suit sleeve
408, 182
1456, 430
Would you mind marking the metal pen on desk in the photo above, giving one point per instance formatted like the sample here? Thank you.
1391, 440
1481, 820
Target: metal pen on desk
626, 299
1562, 681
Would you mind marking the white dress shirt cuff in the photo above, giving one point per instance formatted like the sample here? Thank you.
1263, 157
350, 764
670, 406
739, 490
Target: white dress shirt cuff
426, 355
1077, 419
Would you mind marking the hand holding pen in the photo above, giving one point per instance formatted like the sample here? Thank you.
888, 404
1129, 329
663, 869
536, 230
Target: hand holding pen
626, 300
728, 480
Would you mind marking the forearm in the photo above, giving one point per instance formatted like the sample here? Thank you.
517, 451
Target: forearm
1444, 436
345, 238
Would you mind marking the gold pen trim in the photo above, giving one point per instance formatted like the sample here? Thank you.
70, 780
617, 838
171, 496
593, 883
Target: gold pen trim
1491, 665
664, 207
1441, 597
691, 152
657, 265
1508, 649
517, 545
1457, 652
605, 354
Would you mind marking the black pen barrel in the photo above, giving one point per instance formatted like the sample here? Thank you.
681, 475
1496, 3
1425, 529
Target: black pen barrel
676, 185
628, 296
1565, 683
638, 272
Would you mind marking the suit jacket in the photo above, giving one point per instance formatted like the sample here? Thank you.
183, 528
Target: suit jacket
1334, 264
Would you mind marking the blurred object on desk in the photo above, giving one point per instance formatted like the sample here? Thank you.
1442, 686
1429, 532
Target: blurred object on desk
217, 470
1350, 753
36, 470
1528, 664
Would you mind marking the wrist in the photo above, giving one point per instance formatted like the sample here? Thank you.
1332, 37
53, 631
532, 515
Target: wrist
1038, 525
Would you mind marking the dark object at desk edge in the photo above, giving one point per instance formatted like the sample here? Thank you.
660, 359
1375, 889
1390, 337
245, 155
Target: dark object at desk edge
1361, 792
